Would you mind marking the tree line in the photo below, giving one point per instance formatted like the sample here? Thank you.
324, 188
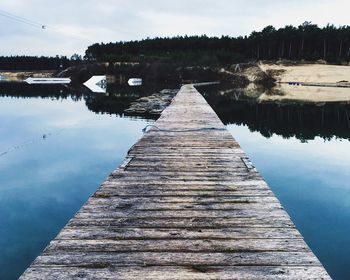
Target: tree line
307, 41
38, 63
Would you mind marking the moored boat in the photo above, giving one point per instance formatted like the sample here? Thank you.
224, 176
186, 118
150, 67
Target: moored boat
135, 82
48, 80
97, 84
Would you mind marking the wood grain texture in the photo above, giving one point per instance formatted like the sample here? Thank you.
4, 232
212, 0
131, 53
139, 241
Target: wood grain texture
185, 204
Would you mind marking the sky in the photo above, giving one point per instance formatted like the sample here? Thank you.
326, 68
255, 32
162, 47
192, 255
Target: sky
72, 25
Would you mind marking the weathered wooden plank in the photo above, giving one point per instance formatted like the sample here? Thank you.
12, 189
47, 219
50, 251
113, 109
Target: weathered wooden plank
193, 272
159, 182
112, 259
185, 222
154, 193
118, 233
190, 179
185, 151
159, 186
152, 202
181, 145
182, 246
190, 174
199, 163
112, 205
185, 204
98, 213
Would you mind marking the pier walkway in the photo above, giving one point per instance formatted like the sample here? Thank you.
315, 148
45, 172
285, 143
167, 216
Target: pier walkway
186, 204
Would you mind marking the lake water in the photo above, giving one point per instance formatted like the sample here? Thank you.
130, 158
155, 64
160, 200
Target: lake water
312, 181
58, 154
56, 147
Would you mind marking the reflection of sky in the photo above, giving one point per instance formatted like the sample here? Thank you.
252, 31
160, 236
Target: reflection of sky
46, 181
312, 180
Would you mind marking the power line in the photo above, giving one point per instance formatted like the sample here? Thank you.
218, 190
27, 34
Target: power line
31, 141
56, 29
22, 19
39, 25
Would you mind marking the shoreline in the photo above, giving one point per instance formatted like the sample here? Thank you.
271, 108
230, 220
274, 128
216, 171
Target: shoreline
277, 81
316, 83
20, 75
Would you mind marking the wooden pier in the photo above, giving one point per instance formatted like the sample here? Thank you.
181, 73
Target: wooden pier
186, 204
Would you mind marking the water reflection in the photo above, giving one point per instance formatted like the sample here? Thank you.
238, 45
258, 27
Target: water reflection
312, 182
304, 121
115, 101
46, 181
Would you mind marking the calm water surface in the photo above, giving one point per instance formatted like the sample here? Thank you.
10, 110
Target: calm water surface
312, 181
56, 152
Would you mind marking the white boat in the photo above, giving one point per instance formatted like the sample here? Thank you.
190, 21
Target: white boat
135, 82
97, 84
48, 80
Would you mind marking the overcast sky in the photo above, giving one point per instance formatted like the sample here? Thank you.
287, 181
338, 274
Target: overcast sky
73, 25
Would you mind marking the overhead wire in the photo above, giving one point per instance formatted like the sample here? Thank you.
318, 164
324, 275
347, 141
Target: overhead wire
53, 28
22, 19
144, 130
56, 29
29, 142
35, 24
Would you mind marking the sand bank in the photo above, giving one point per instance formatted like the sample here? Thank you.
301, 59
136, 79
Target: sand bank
308, 73
22, 75
307, 94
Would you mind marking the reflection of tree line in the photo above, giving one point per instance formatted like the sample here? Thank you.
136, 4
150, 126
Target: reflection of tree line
24, 90
303, 121
115, 101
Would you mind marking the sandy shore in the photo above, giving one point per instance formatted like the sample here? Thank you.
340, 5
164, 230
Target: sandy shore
22, 75
308, 73
308, 94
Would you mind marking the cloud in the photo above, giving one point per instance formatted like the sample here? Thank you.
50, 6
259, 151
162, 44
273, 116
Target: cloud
73, 25
167, 24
